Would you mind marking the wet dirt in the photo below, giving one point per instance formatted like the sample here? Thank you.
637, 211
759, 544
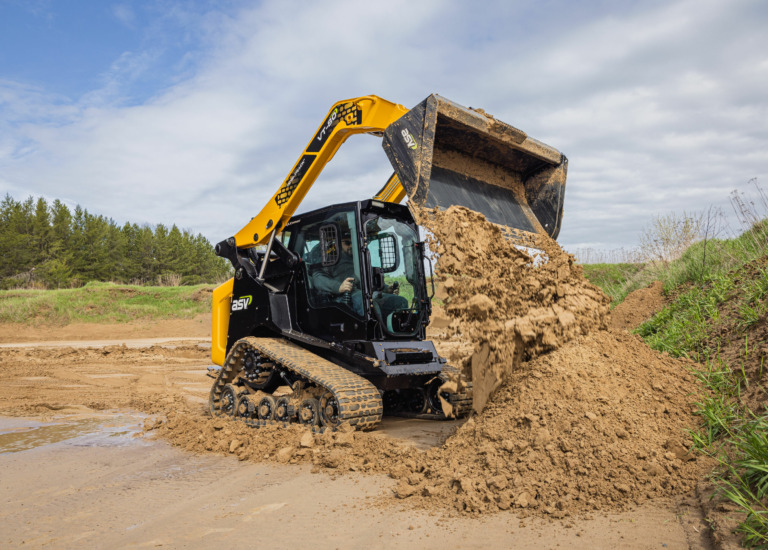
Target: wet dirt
23, 434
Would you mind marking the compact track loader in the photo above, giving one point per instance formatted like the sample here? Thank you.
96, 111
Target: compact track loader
324, 321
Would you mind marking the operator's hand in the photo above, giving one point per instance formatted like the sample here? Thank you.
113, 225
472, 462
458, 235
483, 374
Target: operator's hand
347, 285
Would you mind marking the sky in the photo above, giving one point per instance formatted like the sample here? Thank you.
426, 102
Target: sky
193, 112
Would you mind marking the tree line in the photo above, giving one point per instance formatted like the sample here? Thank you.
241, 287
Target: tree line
47, 245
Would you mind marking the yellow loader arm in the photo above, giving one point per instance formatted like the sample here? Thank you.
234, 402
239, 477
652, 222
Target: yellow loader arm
362, 115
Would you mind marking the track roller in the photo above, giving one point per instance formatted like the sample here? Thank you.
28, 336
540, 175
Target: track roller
228, 400
309, 411
284, 411
245, 408
329, 410
266, 408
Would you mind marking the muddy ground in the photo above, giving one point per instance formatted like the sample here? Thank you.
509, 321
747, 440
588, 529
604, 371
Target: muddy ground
78, 469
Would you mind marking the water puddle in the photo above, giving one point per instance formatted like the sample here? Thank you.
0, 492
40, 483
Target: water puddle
21, 434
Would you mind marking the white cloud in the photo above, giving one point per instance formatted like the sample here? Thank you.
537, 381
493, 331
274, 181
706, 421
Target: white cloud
658, 106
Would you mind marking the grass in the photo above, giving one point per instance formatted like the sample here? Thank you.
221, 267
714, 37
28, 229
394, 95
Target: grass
729, 431
704, 279
740, 446
681, 329
700, 264
103, 303
613, 278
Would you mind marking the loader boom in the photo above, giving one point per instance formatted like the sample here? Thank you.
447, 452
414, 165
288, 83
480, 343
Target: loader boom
362, 115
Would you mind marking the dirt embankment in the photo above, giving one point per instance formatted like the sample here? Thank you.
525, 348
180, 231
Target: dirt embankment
740, 333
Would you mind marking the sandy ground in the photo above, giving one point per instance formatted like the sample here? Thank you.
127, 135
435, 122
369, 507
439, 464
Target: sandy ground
77, 472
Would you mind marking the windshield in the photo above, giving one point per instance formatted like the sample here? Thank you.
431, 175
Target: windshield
397, 296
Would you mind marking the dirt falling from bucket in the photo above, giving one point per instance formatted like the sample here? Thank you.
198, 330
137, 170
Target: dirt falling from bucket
504, 304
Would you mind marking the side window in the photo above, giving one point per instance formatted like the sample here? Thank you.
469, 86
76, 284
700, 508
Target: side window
328, 248
383, 249
329, 244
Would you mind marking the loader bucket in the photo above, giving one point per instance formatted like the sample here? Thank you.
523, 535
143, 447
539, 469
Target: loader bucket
445, 154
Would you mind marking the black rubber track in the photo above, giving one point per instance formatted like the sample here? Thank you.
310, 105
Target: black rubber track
359, 401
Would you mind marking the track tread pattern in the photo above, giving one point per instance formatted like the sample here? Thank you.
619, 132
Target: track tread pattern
359, 401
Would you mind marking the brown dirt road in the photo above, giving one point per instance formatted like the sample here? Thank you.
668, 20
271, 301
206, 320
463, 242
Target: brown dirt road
77, 471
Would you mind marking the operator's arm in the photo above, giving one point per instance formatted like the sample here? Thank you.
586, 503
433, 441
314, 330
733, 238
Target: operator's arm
336, 279
326, 282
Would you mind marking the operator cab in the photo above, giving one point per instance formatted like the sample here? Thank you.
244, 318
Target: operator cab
362, 262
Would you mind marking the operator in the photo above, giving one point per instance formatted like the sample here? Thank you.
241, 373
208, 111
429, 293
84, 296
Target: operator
336, 280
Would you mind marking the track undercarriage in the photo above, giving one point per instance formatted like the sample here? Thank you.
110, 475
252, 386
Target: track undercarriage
266, 381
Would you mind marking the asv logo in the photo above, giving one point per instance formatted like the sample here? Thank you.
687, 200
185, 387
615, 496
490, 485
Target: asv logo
408, 139
241, 303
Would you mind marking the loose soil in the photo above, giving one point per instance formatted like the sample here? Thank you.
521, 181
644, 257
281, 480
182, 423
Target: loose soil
571, 418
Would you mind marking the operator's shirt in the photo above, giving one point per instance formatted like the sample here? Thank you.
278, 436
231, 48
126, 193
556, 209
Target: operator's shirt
328, 279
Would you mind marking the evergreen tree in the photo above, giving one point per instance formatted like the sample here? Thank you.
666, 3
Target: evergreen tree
48, 244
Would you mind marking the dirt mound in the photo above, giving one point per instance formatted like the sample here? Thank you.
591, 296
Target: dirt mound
509, 305
637, 307
598, 423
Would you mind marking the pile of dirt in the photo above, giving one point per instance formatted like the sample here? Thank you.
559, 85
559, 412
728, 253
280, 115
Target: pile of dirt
637, 307
343, 450
509, 306
599, 423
